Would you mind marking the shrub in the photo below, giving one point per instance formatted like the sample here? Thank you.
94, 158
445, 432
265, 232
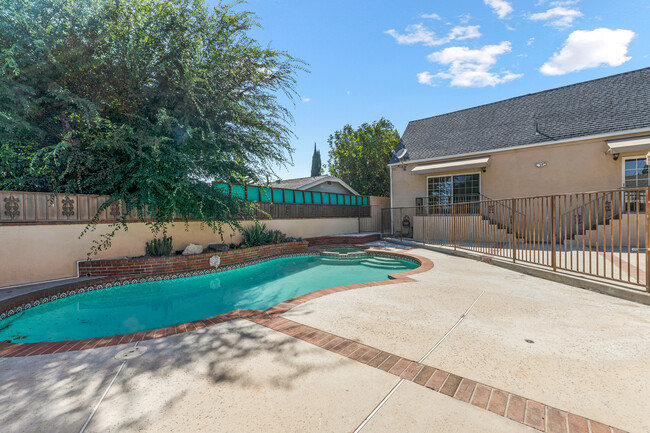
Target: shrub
254, 235
258, 234
292, 239
275, 237
159, 247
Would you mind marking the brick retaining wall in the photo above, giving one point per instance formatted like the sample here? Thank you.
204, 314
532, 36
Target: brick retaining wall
144, 266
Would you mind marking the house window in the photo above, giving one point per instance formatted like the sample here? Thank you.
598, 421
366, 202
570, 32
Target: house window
635, 176
454, 189
636, 173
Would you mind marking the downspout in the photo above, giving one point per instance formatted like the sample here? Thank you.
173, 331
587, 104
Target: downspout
390, 169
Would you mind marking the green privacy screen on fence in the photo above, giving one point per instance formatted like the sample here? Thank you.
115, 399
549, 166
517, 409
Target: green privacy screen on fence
279, 195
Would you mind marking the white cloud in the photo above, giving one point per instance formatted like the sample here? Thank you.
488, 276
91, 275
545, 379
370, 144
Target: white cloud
464, 32
470, 68
425, 78
588, 49
501, 7
306, 99
418, 33
415, 33
531, 41
557, 2
464, 18
564, 2
559, 17
431, 16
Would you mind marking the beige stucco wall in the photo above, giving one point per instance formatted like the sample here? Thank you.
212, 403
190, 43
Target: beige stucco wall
382, 202
31, 253
571, 167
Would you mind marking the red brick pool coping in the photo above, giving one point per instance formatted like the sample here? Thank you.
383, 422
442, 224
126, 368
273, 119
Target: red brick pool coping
9, 350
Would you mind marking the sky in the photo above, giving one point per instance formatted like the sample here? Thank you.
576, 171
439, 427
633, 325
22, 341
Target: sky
413, 59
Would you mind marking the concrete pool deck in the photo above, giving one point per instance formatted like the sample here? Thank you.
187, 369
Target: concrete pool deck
589, 357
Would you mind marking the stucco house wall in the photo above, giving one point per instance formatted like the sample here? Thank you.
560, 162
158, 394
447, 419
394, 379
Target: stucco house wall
576, 166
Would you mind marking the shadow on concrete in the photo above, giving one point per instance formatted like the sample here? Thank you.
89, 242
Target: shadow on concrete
56, 393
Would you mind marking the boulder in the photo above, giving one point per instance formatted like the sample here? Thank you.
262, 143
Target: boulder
215, 261
243, 246
192, 249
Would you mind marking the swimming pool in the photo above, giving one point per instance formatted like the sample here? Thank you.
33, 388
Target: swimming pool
149, 305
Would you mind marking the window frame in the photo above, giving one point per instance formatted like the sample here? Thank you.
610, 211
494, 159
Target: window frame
626, 158
480, 181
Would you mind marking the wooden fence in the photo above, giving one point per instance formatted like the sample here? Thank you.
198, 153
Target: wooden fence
47, 208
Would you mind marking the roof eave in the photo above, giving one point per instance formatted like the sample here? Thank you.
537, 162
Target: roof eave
525, 146
331, 179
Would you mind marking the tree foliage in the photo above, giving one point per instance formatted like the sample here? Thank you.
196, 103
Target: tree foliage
142, 100
316, 166
360, 156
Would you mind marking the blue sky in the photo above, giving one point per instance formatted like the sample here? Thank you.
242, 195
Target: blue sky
413, 59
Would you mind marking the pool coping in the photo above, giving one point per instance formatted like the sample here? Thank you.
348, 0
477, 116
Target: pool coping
9, 350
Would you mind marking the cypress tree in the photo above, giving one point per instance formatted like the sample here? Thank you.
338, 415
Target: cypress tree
316, 166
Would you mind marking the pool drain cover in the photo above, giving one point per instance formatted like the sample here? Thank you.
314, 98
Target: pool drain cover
130, 353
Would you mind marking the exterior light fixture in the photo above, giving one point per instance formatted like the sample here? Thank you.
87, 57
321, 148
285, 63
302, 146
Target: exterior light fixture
615, 156
540, 164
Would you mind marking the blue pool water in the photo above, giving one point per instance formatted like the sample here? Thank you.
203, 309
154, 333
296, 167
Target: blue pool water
157, 304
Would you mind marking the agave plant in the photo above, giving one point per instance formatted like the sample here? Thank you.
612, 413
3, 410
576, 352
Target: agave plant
255, 235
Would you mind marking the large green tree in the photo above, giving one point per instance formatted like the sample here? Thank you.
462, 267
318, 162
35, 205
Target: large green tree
360, 156
146, 101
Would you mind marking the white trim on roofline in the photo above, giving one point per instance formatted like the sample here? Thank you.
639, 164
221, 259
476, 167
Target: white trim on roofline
525, 146
330, 179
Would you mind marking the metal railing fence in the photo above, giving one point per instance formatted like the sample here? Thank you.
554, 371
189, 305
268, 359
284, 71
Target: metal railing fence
600, 233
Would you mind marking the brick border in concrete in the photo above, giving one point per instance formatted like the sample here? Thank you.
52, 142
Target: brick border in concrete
520, 409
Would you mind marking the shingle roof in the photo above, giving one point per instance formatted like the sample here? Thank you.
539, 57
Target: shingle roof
611, 104
301, 182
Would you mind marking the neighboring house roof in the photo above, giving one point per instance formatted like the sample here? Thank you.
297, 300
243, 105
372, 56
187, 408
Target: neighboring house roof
605, 105
305, 183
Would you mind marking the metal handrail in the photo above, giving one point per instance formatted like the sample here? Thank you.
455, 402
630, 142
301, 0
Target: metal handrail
607, 215
621, 189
